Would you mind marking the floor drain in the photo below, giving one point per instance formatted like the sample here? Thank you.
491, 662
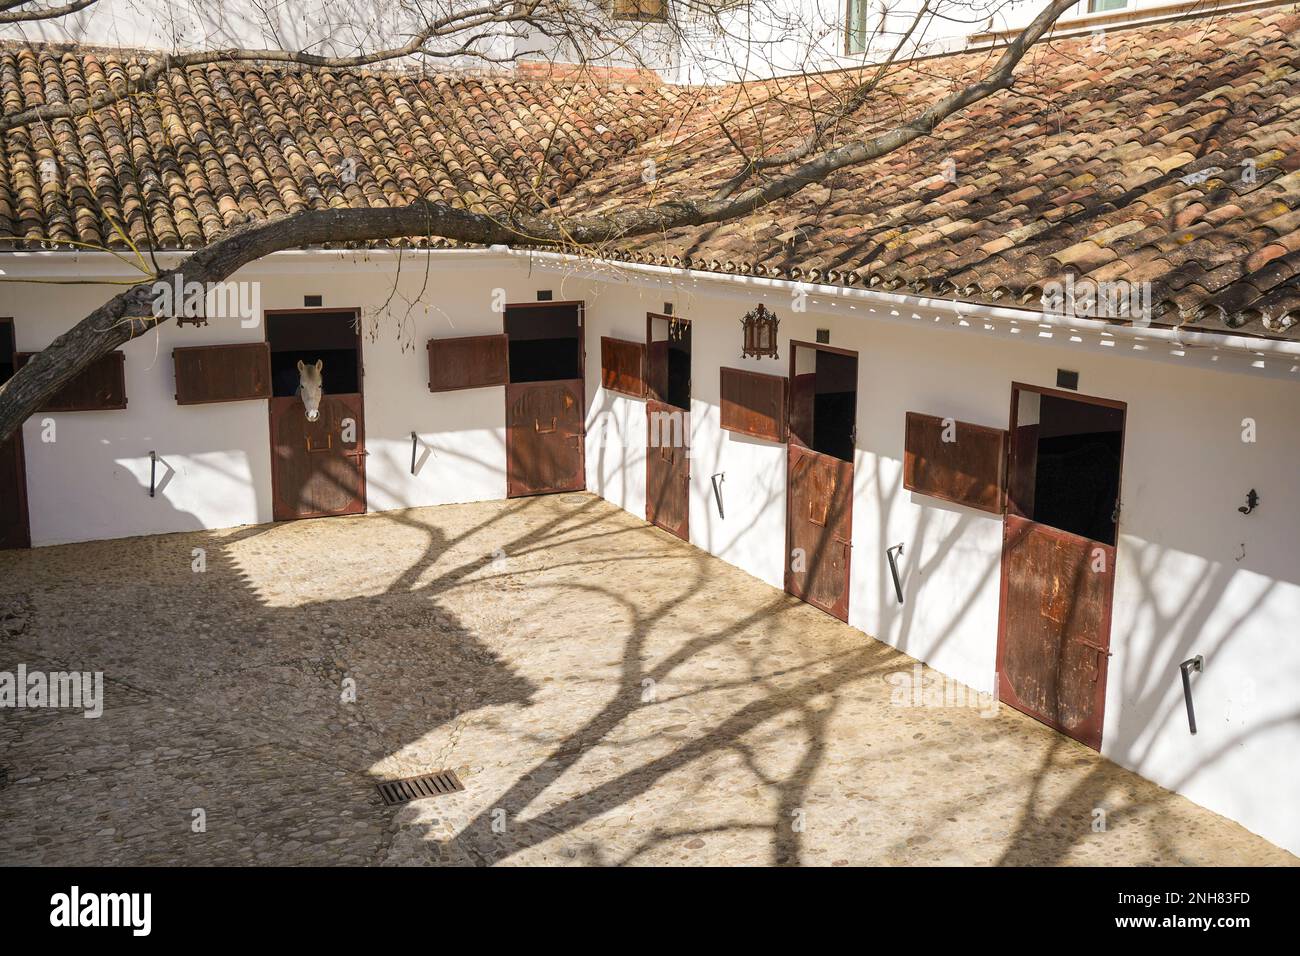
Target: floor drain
573, 499
416, 788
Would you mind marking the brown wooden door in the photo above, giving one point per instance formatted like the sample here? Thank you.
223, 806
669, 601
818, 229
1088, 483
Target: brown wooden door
667, 469
819, 529
14, 529
314, 471
544, 438
1056, 604
1065, 454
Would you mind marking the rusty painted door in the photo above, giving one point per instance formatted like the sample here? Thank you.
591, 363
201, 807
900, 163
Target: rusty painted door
315, 470
14, 529
819, 529
544, 438
667, 469
1056, 601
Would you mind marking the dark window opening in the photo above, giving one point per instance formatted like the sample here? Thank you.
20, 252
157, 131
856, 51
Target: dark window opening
1073, 451
328, 337
670, 361
824, 401
6, 351
545, 343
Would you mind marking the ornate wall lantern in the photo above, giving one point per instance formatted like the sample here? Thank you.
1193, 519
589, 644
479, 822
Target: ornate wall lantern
760, 327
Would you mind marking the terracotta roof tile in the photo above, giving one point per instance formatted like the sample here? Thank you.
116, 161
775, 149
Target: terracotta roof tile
1173, 157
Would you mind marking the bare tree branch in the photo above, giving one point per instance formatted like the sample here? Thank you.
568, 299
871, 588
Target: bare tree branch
40, 13
130, 313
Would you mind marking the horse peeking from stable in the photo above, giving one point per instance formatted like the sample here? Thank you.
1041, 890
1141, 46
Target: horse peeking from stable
311, 387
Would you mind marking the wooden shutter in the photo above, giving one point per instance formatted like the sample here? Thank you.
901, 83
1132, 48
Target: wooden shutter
100, 386
754, 404
622, 366
222, 373
968, 470
472, 361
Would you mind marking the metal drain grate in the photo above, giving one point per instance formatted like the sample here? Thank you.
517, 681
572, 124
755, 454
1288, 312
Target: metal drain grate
573, 499
415, 788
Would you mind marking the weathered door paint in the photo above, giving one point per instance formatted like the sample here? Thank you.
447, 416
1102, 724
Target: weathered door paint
819, 530
1056, 598
315, 471
668, 469
544, 438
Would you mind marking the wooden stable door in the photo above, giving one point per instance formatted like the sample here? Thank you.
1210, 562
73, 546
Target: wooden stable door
667, 469
1058, 558
544, 438
1056, 595
14, 529
819, 529
315, 470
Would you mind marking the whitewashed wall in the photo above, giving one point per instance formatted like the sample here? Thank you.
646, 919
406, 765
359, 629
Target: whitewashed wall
92, 481
1193, 575
1182, 584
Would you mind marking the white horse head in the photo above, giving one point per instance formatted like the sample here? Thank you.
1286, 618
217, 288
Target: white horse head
310, 387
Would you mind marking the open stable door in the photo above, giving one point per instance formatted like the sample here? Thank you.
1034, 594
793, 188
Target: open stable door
545, 408
14, 529
318, 468
668, 461
819, 491
1058, 557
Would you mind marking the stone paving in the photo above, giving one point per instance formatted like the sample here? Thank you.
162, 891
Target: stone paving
608, 694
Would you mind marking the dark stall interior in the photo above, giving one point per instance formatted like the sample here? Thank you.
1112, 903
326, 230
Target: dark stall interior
545, 343
1076, 482
330, 337
835, 402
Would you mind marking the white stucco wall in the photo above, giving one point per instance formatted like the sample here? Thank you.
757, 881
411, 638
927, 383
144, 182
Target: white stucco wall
1192, 574
92, 481
1182, 584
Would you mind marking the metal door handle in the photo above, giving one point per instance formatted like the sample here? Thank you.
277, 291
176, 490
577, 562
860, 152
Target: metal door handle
537, 426
329, 443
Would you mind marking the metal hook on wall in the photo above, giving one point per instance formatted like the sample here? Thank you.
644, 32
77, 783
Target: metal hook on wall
893, 569
717, 491
1196, 663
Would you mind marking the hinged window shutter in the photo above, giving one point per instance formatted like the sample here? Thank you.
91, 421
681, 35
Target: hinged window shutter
969, 470
472, 361
100, 386
222, 373
622, 366
754, 404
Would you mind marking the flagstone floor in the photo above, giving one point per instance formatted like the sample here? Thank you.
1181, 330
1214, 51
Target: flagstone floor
608, 694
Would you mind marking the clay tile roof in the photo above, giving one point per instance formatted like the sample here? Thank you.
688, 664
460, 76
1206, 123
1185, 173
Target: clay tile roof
1170, 157
216, 146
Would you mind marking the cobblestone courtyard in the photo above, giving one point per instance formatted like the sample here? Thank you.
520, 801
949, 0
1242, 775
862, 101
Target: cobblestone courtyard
607, 693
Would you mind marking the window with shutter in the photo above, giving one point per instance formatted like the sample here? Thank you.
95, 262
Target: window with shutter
955, 461
754, 404
222, 373
472, 361
101, 386
622, 366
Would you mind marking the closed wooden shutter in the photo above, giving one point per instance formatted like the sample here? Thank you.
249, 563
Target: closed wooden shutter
472, 361
100, 386
222, 373
622, 366
955, 461
654, 10
754, 404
